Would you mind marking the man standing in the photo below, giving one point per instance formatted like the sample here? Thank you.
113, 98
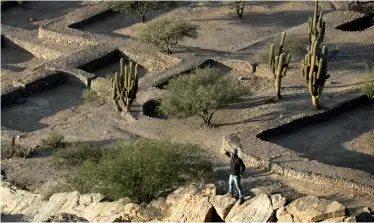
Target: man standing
237, 168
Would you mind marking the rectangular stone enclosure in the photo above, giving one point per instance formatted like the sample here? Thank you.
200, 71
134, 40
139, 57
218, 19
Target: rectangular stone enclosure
12, 54
109, 64
343, 140
208, 63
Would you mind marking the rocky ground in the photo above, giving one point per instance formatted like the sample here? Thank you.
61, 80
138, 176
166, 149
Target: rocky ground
235, 44
193, 203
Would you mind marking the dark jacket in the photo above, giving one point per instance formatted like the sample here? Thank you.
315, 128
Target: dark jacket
237, 166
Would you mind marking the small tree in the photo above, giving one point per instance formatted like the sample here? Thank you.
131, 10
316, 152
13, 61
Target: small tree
141, 7
166, 32
201, 93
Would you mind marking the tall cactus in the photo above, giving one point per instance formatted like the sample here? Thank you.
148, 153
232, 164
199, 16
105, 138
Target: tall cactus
278, 64
314, 72
316, 26
125, 86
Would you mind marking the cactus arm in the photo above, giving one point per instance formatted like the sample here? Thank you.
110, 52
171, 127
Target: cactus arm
271, 55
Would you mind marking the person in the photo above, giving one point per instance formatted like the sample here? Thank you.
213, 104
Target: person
237, 168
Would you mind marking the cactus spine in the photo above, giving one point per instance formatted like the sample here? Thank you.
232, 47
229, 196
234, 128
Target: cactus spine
278, 64
125, 86
316, 26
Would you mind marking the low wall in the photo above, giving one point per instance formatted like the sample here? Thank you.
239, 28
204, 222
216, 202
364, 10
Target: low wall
31, 87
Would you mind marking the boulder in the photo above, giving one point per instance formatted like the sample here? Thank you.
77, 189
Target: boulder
194, 209
285, 217
277, 201
222, 204
257, 209
61, 202
311, 209
191, 203
105, 211
183, 193
19, 202
65, 217
130, 210
154, 210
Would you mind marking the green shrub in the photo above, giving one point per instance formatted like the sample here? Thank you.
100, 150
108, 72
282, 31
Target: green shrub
202, 93
141, 170
22, 180
368, 88
54, 140
165, 33
76, 153
142, 8
50, 188
90, 96
295, 45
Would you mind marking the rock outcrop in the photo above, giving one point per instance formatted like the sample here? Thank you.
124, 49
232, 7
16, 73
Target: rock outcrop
194, 203
222, 204
257, 209
191, 204
312, 209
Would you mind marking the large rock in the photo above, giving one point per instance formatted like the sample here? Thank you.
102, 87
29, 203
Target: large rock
195, 209
19, 202
277, 201
257, 209
62, 202
222, 204
191, 204
105, 211
311, 209
155, 210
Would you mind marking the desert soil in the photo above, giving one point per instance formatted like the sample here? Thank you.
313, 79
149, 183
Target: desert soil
63, 111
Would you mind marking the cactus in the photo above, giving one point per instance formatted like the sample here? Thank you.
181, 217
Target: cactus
278, 64
314, 72
239, 7
316, 26
125, 86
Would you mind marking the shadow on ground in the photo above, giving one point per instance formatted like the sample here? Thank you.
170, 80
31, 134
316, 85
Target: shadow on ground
19, 15
26, 117
338, 141
13, 54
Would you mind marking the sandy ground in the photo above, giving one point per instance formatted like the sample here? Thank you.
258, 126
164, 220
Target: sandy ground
41, 12
99, 123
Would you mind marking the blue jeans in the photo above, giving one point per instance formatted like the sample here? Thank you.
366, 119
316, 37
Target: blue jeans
235, 179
